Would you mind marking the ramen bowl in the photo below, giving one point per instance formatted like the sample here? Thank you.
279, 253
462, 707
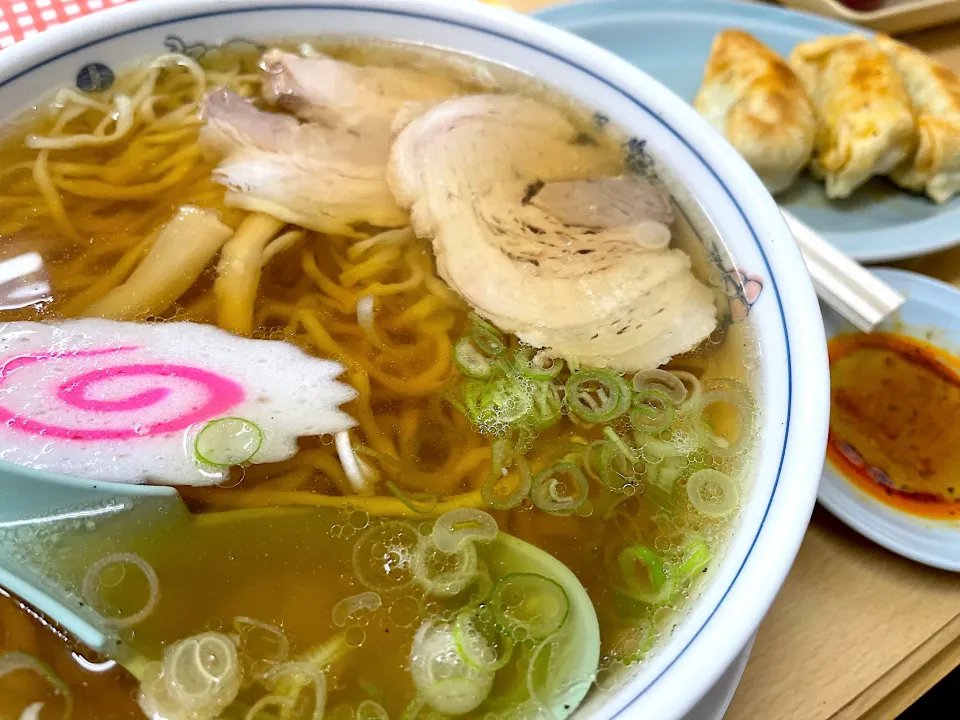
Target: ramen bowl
756, 270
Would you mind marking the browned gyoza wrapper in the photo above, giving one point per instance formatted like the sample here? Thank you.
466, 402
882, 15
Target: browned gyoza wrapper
753, 97
865, 120
935, 91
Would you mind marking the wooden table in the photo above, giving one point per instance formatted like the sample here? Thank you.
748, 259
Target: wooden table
856, 631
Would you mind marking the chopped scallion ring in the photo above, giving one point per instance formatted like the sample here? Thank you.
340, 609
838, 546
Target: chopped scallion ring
660, 583
487, 337
598, 396
547, 405
227, 442
721, 393
652, 411
497, 490
712, 493
444, 574
560, 490
462, 525
529, 606
536, 365
695, 557
498, 403
470, 361
663, 381
480, 641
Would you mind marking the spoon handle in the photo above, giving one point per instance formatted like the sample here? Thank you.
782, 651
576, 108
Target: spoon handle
841, 282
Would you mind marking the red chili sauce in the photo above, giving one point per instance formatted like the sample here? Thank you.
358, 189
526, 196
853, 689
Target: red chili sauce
895, 421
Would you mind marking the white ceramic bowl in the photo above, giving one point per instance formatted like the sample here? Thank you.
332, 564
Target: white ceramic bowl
793, 378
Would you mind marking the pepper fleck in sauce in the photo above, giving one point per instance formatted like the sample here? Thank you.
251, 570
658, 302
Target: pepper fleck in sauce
895, 421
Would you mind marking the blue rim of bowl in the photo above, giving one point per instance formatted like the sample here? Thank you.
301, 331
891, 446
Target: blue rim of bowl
622, 92
572, 16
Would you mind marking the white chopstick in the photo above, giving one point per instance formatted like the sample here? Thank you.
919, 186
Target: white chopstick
842, 283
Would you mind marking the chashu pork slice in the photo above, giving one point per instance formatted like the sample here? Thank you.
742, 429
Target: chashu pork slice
340, 94
545, 236
327, 173
325, 179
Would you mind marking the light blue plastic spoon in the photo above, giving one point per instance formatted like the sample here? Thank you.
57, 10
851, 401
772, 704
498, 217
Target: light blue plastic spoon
53, 528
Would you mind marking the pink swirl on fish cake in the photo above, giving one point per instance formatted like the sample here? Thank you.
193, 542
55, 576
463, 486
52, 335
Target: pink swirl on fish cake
220, 395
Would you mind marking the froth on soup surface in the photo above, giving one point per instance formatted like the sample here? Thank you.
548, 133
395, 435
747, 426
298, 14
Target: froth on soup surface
632, 480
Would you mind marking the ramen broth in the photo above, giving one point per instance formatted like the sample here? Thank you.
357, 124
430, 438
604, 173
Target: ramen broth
90, 213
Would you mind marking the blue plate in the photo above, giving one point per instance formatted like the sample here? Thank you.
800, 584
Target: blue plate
932, 314
670, 40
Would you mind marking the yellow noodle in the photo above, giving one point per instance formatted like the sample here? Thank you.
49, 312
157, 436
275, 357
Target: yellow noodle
309, 264
293, 480
41, 177
407, 431
373, 504
378, 263
101, 190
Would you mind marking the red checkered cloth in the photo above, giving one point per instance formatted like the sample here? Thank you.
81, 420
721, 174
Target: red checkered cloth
23, 18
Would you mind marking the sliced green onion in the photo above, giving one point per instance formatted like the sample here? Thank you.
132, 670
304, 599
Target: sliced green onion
628, 452
383, 556
663, 476
444, 574
497, 490
260, 640
15, 660
470, 361
547, 405
536, 365
421, 503
694, 388
442, 676
607, 463
283, 703
293, 679
350, 606
656, 451
371, 710
663, 381
480, 641
598, 396
529, 606
659, 585
560, 490
498, 403
484, 586
462, 525
652, 411
413, 708
657, 492
488, 338
723, 392
591, 459
456, 696
695, 557
227, 442
712, 493
566, 452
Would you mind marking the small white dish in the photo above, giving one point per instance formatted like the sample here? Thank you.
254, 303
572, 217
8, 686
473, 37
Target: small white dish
931, 313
